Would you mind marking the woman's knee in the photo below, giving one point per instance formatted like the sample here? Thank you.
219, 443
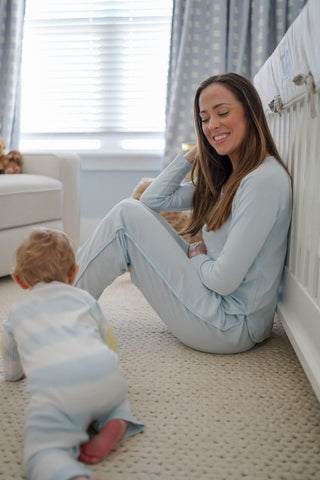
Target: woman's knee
128, 203
118, 216
134, 211
132, 205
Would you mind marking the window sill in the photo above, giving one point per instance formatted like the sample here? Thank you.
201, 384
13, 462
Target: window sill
112, 152
122, 161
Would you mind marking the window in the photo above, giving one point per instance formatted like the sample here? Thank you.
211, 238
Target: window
94, 72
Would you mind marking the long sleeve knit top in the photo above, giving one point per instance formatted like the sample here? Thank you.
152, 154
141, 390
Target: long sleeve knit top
246, 255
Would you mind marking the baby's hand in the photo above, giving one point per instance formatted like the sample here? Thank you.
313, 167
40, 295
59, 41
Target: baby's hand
197, 248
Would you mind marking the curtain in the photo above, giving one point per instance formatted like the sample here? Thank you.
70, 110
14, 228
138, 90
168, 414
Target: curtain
11, 31
215, 36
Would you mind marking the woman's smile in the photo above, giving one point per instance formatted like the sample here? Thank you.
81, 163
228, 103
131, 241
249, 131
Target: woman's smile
223, 120
218, 139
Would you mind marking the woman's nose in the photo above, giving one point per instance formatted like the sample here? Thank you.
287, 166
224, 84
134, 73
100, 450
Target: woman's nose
213, 123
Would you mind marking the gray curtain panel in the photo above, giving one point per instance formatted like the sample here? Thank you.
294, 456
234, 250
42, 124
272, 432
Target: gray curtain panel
216, 36
11, 32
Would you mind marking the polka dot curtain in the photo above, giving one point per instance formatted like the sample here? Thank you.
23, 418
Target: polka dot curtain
11, 31
215, 36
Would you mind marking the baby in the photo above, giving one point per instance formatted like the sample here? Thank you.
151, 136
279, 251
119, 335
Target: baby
59, 339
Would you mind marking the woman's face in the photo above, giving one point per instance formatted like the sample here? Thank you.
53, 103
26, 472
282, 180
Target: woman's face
223, 120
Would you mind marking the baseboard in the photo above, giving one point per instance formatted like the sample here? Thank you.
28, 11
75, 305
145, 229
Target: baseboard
300, 316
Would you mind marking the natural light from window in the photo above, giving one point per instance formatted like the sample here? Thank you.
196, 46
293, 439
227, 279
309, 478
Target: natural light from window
94, 74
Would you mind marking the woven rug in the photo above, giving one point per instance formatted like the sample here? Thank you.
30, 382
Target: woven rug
208, 417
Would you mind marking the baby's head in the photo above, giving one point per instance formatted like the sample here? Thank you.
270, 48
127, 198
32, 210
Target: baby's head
45, 256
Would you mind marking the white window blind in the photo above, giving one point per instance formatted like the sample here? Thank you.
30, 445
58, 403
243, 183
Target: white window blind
95, 67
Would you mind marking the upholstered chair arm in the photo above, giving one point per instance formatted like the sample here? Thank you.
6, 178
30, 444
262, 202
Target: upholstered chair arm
66, 168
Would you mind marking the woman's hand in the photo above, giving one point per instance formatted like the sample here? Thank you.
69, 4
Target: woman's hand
192, 154
197, 248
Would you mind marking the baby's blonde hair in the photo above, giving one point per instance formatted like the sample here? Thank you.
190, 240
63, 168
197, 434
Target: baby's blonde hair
46, 255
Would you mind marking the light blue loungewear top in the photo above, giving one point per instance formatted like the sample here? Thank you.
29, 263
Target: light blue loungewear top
246, 255
58, 336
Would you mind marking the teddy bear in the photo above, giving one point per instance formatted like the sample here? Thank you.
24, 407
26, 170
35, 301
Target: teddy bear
15, 160
3, 162
9, 162
3, 157
2, 146
178, 220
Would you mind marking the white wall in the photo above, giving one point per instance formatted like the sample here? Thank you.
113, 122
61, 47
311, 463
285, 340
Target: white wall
102, 189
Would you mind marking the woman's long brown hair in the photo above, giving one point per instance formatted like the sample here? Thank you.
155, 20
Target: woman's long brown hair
210, 171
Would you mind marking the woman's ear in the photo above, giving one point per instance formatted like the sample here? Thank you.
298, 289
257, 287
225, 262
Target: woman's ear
19, 282
72, 274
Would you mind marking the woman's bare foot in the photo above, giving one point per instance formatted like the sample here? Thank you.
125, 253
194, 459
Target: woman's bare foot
98, 447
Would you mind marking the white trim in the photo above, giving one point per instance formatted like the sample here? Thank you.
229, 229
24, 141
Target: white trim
118, 161
143, 161
98, 161
300, 317
131, 152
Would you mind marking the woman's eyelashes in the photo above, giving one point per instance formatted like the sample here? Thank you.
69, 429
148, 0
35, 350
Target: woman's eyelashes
220, 114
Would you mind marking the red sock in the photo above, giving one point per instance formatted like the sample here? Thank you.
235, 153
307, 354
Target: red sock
98, 447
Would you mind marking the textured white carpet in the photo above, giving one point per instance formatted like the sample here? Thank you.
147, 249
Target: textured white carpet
208, 417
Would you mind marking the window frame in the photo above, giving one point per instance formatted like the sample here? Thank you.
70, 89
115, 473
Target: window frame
108, 148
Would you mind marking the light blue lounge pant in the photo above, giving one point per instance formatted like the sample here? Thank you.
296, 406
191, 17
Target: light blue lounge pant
134, 236
58, 419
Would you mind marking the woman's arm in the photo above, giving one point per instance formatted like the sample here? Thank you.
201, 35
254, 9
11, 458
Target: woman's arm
169, 192
262, 198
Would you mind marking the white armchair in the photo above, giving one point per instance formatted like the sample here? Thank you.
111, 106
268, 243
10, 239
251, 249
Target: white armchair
46, 193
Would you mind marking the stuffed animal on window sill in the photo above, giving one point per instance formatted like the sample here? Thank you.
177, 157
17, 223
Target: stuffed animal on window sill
9, 162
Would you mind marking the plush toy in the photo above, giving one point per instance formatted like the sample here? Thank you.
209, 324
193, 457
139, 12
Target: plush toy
3, 162
178, 220
15, 160
2, 146
3, 157
9, 162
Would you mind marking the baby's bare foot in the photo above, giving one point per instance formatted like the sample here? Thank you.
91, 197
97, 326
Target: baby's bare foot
98, 447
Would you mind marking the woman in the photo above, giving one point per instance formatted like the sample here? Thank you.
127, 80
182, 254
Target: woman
218, 295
